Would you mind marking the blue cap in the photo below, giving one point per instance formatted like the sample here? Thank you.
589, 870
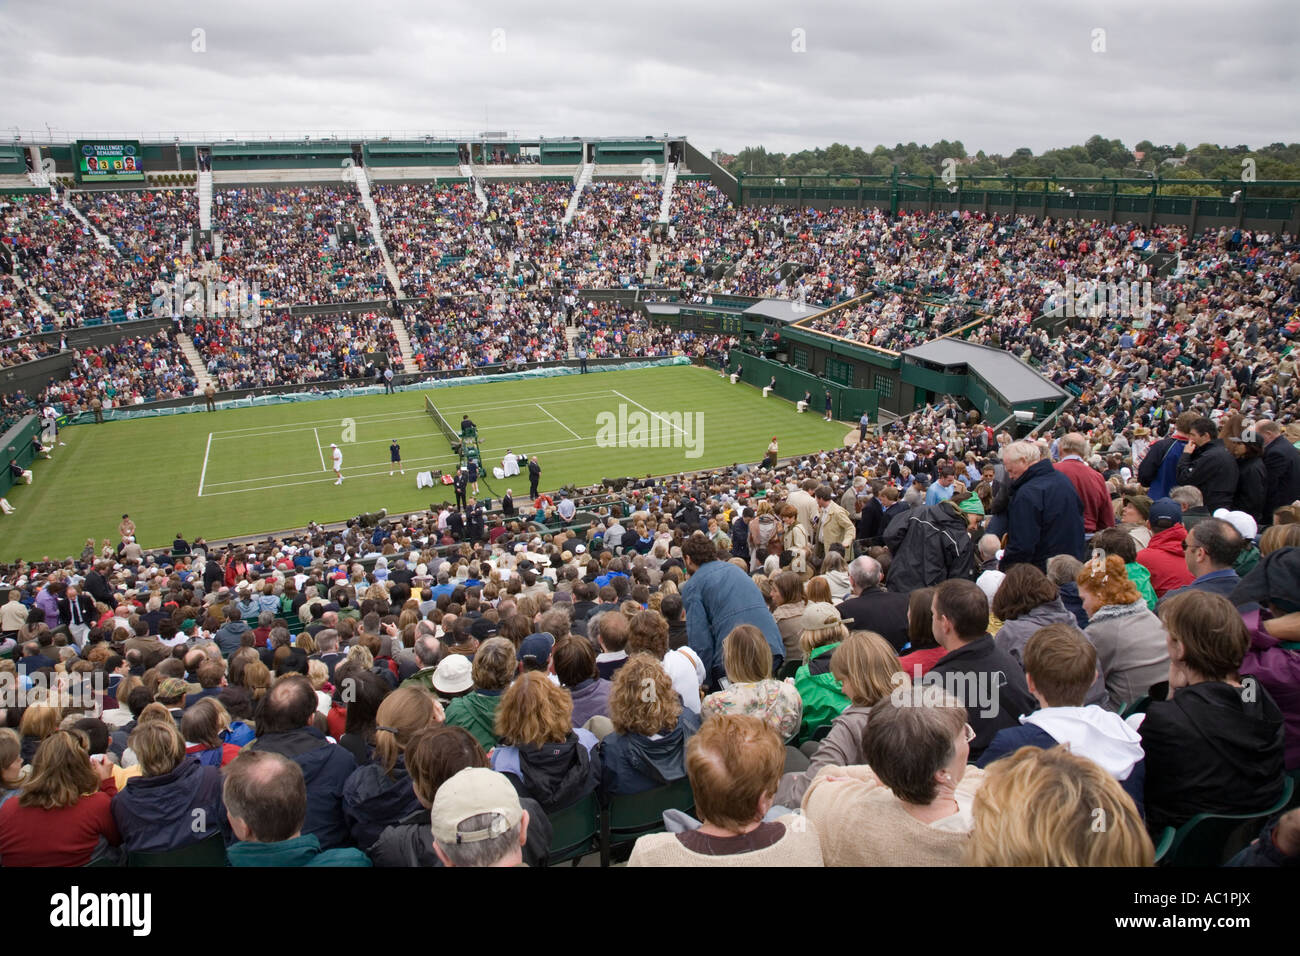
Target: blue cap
537, 646
1166, 513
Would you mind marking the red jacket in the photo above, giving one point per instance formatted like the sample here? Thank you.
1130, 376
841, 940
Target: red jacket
1163, 557
32, 836
1098, 512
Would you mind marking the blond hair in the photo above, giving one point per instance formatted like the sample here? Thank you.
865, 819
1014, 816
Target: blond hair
534, 711
642, 699
867, 664
1052, 808
403, 713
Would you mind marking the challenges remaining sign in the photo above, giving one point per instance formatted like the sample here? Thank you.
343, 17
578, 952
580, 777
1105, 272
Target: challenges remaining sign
109, 162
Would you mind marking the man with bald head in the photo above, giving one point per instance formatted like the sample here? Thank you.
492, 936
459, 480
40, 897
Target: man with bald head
872, 608
1282, 469
1091, 487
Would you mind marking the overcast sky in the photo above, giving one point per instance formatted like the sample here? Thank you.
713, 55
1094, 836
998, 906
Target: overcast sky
995, 75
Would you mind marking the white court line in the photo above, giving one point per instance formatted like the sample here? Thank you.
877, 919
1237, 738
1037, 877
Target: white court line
558, 422
288, 427
318, 421
409, 461
377, 474
204, 473
320, 451
654, 414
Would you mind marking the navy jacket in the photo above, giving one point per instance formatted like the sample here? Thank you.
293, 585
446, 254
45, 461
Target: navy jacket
1045, 518
326, 767
1282, 478
631, 763
174, 810
373, 800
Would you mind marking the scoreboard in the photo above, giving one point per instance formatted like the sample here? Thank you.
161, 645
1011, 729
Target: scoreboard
117, 162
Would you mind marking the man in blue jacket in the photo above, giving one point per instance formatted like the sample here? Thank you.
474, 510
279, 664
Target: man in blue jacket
717, 597
1045, 516
286, 727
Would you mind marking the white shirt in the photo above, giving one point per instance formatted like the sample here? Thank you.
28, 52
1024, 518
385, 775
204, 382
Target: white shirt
338, 458
685, 681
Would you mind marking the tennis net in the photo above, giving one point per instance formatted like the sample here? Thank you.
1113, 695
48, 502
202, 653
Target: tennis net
451, 434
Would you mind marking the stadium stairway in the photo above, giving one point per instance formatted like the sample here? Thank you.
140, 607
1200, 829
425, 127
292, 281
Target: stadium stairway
579, 184
404, 344
205, 200
41, 179
191, 353
362, 180
99, 236
666, 204
467, 171
571, 335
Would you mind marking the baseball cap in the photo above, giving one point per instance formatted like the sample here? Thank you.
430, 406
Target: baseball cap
536, 645
1166, 513
454, 675
1244, 523
482, 629
472, 792
819, 614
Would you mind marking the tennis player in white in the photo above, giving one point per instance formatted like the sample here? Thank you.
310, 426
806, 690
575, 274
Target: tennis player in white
338, 463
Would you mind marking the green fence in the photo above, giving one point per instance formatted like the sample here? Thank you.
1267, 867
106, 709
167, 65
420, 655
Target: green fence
18, 444
847, 404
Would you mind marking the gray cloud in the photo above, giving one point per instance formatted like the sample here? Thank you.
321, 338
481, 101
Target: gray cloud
995, 75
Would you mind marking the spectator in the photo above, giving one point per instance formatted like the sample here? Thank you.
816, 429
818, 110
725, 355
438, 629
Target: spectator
1165, 557
574, 664
822, 631
1026, 601
1129, 639
540, 752
286, 726
929, 544
176, 800
379, 794
1210, 748
974, 670
1045, 516
1282, 467
478, 821
434, 756
911, 806
1115, 541
648, 746
204, 727
868, 671
1089, 485
885, 610
752, 690
1208, 465
1061, 669
734, 765
717, 597
1210, 550
62, 815
266, 803
1072, 793
494, 669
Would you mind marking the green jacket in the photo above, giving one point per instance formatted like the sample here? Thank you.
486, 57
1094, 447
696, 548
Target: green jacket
476, 712
823, 699
300, 851
1141, 577
423, 679
1246, 561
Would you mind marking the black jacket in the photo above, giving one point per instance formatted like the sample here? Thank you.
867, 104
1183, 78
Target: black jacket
871, 520
172, 810
1252, 479
98, 588
373, 800
555, 775
930, 545
410, 843
86, 608
878, 610
1209, 750
991, 685
1282, 484
1213, 470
